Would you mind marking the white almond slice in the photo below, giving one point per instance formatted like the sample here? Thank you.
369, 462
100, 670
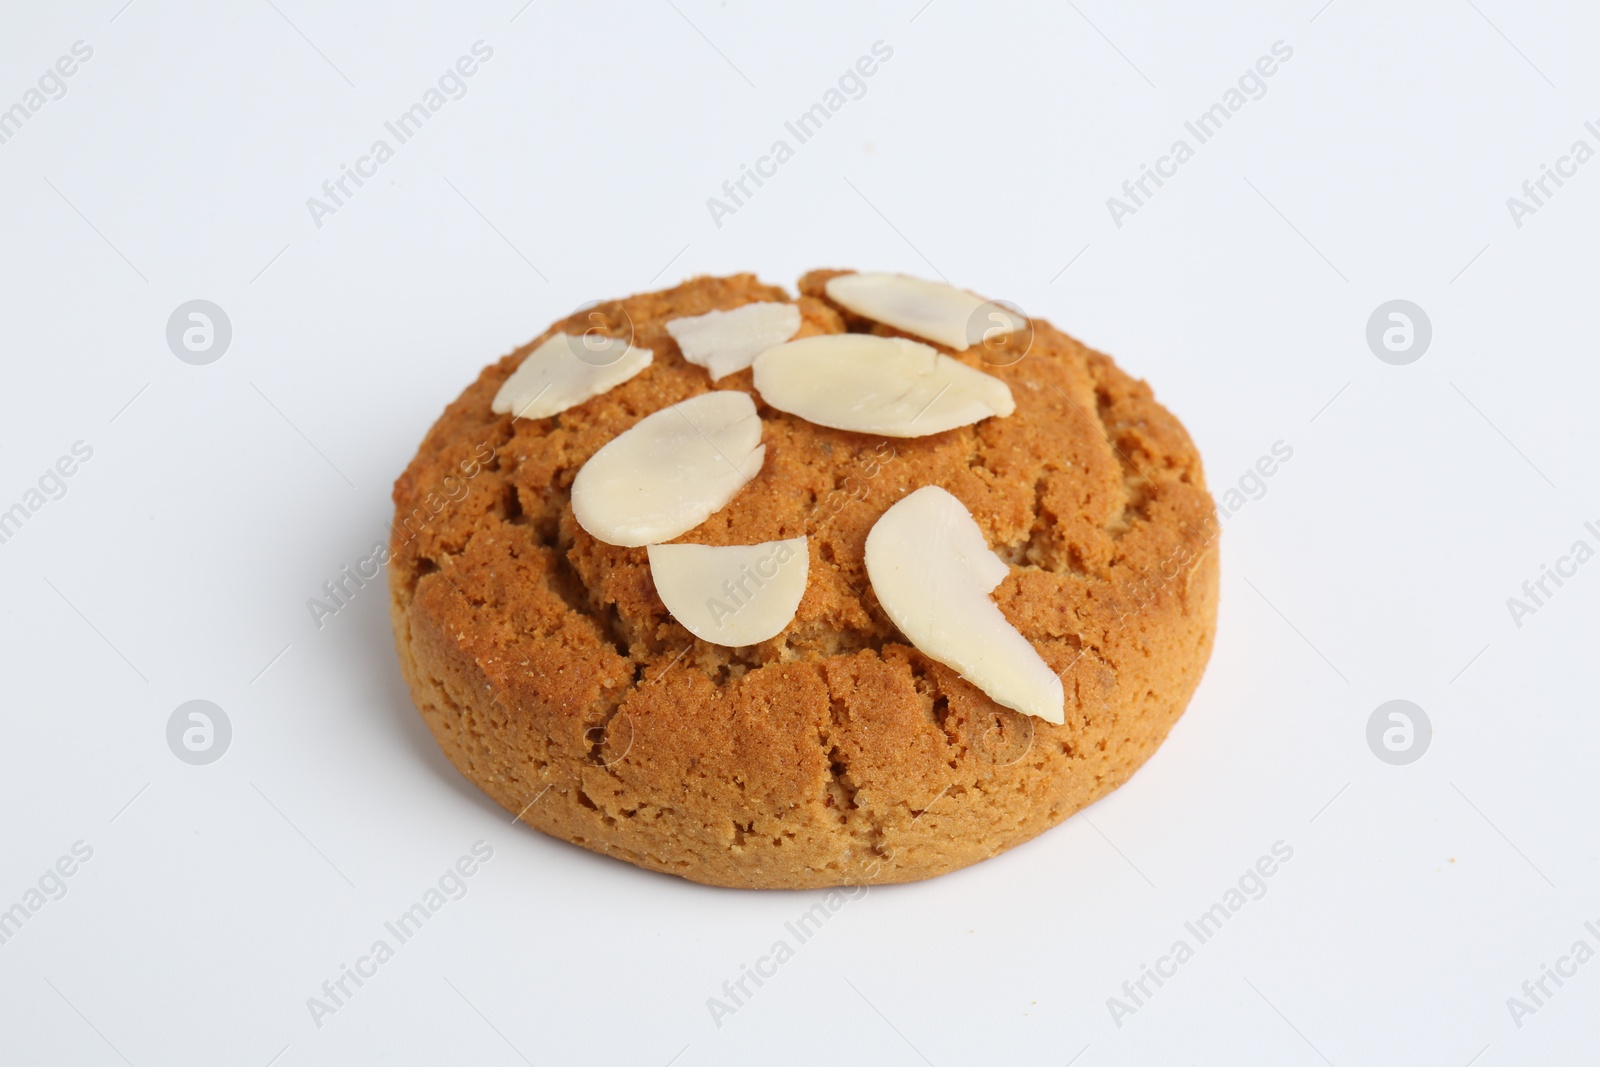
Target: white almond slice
883, 385
933, 310
565, 371
933, 572
727, 341
671, 471
734, 595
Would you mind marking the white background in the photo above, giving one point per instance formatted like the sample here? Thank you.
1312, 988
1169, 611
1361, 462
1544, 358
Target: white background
219, 498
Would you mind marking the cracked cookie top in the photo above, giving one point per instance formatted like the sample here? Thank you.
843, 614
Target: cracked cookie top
1089, 486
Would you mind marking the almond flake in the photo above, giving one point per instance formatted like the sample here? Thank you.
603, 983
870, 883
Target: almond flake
933, 573
884, 385
727, 341
565, 371
942, 313
734, 595
670, 471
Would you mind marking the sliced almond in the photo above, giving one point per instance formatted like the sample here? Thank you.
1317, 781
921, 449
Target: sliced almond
934, 310
671, 471
883, 385
733, 595
565, 371
933, 573
727, 341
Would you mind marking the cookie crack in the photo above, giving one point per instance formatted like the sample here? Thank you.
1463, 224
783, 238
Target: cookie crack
840, 788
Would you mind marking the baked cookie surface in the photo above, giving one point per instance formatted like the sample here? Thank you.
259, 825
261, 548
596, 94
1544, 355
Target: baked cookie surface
553, 676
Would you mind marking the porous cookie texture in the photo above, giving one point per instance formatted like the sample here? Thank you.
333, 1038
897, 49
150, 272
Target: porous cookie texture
834, 753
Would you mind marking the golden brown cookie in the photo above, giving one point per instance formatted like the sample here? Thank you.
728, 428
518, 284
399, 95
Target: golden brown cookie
835, 753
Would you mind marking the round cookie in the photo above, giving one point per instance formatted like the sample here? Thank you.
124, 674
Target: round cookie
835, 753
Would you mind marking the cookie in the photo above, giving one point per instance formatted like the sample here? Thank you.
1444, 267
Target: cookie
835, 752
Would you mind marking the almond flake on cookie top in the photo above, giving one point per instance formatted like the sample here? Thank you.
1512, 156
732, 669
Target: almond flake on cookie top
890, 386
732, 595
670, 471
933, 572
727, 341
565, 371
934, 310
